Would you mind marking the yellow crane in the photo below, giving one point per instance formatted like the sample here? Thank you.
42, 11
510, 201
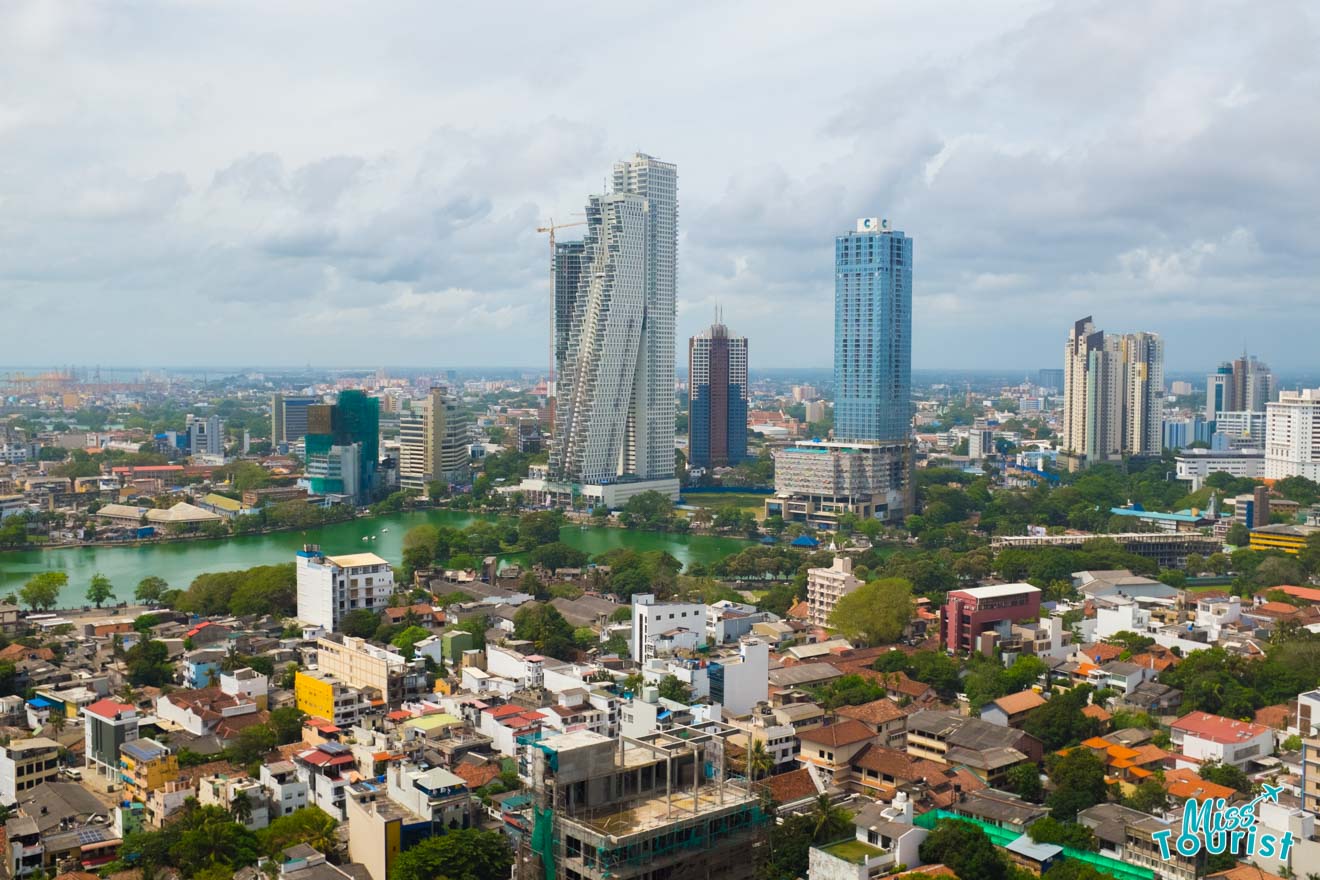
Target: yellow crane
550, 376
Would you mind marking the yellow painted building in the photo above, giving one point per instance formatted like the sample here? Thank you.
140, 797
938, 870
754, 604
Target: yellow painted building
1288, 538
144, 766
314, 695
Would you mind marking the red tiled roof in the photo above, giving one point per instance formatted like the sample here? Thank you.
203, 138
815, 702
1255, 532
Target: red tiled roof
108, 708
1096, 712
477, 775
880, 711
1277, 716
1217, 728
318, 758
793, 786
841, 734
1103, 650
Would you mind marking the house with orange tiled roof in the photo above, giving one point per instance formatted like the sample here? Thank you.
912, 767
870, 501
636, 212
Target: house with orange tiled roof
880, 772
1278, 716
791, 789
883, 716
829, 749
1305, 595
1012, 709
1100, 715
1127, 765
799, 610
1184, 785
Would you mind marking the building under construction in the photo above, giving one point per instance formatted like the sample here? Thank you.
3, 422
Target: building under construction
659, 808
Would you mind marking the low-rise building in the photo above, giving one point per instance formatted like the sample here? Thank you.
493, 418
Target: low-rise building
146, 765
830, 749
971, 612
1201, 737
26, 764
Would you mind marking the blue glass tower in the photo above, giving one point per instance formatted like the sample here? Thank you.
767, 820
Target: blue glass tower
873, 333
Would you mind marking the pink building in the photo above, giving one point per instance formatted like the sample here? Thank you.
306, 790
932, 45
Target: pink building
970, 612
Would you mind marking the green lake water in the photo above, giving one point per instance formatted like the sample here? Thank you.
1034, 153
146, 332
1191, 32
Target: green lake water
179, 562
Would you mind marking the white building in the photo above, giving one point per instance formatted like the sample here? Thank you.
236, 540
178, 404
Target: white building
826, 586
614, 400
433, 442
651, 619
817, 481
1203, 737
1113, 394
1292, 435
206, 435
1194, 465
1239, 429
331, 586
223, 791
285, 791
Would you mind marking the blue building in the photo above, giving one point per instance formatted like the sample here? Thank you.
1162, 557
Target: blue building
717, 398
873, 333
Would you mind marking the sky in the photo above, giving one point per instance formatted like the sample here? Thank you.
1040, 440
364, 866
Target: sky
360, 184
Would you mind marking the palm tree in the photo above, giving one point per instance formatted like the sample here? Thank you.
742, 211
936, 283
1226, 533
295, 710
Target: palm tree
57, 722
758, 760
241, 808
828, 820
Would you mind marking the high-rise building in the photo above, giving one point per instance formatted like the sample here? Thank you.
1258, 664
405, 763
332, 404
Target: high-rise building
614, 400
717, 398
1292, 435
1113, 394
331, 586
206, 435
873, 333
343, 446
568, 259
1242, 385
1051, 379
288, 417
433, 442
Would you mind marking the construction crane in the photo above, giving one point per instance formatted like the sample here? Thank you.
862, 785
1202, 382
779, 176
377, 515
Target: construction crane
550, 376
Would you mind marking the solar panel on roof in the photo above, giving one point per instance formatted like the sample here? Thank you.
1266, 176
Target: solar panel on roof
90, 835
333, 748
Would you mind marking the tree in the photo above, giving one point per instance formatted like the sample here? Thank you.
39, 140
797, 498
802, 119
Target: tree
241, 808
673, 689
1079, 782
1060, 721
1237, 535
253, 744
1051, 830
360, 623
150, 590
1225, 774
545, 627
556, 555
539, 528
1149, 796
286, 724
310, 825
463, 854
876, 612
148, 664
759, 761
1024, 781
965, 849
42, 591
406, 640
99, 590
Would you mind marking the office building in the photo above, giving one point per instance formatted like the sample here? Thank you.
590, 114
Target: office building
1292, 435
1181, 433
568, 261
1113, 395
109, 724
873, 333
26, 764
206, 435
1244, 384
360, 664
816, 482
1051, 380
826, 586
631, 808
433, 442
970, 612
343, 447
614, 397
331, 586
1195, 465
288, 417
980, 440
717, 398
1238, 429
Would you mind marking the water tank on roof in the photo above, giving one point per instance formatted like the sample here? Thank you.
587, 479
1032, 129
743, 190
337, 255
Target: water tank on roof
650, 694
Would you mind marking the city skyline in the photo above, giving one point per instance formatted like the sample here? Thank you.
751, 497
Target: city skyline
275, 225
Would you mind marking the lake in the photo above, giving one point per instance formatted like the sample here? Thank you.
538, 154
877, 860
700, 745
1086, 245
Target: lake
179, 562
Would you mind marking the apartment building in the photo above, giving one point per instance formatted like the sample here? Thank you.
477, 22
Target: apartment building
1201, 737
331, 586
971, 612
360, 664
816, 482
26, 764
826, 586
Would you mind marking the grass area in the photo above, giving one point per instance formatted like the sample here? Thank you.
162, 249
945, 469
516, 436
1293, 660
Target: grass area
853, 850
716, 500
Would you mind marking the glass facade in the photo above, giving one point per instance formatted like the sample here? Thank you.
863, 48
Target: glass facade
873, 334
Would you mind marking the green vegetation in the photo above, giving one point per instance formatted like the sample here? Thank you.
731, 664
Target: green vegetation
791, 840
42, 591
546, 628
463, 854
876, 613
265, 589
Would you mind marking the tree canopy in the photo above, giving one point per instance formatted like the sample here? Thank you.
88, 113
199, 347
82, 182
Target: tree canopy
876, 612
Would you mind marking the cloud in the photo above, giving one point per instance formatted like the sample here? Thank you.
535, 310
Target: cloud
375, 194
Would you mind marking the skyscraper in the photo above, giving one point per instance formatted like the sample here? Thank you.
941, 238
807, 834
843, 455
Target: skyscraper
873, 333
717, 397
343, 446
614, 402
288, 417
433, 442
866, 471
1113, 394
1242, 385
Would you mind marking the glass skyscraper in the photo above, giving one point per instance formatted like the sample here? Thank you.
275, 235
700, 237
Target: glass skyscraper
873, 333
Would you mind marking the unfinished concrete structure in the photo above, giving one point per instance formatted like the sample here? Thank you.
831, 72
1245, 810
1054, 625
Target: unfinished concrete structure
659, 808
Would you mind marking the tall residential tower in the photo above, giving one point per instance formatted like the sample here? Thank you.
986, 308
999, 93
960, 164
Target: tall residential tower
433, 442
1113, 403
614, 399
717, 397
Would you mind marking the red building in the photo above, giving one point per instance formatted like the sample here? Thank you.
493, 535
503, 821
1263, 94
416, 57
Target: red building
970, 612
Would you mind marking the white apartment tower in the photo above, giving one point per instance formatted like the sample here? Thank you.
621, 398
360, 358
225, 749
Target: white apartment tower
826, 586
331, 586
1113, 394
1292, 435
614, 401
433, 442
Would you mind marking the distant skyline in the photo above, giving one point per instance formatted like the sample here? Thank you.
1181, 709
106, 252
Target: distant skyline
274, 185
